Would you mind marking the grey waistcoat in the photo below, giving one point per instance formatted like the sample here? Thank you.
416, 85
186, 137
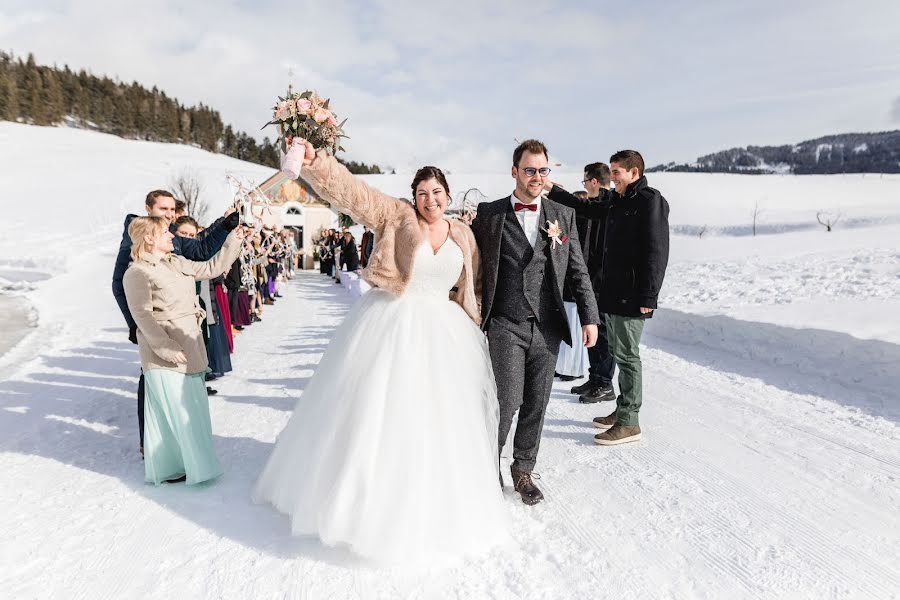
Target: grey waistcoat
521, 272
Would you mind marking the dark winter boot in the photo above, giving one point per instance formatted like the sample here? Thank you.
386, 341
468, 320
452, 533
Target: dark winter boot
524, 484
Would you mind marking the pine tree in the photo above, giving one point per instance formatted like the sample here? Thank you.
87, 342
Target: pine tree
9, 99
67, 81
34, 101
54, 103
171, 124
268, 154
229, 142
9, 92
81, 102
184, 133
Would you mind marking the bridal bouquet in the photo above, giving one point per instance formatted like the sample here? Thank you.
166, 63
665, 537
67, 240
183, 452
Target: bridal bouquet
308, 117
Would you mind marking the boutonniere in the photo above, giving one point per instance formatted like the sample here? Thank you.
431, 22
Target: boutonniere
554, 232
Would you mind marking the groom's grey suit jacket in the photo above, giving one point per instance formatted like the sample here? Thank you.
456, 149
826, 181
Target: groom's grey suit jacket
520, 281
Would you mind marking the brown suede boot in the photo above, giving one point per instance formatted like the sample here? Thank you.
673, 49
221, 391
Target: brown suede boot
618, 434
605, 422
523, 484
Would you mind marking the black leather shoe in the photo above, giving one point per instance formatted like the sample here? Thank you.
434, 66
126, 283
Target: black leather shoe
210, 391
584, 387
601, 394
562, 377
176, 480
524, 484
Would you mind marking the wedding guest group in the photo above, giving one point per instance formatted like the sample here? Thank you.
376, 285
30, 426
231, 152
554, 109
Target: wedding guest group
337, 251
630, 252
225, 313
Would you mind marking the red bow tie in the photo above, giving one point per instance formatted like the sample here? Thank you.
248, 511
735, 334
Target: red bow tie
519, 206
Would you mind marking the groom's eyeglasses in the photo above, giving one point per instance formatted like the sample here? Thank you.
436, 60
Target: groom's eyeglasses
531, 171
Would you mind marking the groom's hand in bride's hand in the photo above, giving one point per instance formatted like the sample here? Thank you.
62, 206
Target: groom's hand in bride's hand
589, 335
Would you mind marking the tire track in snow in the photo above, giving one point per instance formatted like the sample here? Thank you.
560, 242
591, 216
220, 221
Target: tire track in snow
813, 539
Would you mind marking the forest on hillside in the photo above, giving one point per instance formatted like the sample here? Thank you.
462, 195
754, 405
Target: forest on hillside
50, 95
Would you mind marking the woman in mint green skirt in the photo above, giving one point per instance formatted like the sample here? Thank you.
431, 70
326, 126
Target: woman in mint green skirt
159, 287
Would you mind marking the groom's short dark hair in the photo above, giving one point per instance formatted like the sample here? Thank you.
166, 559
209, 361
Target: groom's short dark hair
532, 146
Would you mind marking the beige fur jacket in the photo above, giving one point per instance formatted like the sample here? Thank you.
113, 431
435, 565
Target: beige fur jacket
398, 233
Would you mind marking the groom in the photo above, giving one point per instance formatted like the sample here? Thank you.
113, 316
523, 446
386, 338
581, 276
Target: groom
529, 248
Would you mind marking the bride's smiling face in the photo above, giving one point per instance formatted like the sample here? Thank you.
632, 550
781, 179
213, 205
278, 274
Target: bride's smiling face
431, 200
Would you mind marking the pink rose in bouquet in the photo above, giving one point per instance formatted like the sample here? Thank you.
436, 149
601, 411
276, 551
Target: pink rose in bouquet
283, 110
321, 115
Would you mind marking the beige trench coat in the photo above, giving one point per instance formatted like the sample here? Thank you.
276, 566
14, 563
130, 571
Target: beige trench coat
162, 299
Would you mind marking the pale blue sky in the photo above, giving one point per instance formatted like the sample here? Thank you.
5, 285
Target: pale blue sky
453, 83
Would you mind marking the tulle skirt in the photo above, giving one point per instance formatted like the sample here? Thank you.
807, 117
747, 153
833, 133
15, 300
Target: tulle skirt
573, 360
392, 449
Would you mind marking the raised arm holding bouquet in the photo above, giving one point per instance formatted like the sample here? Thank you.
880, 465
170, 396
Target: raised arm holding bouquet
305, 116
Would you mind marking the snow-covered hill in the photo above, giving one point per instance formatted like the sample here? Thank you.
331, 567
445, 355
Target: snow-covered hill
769, 467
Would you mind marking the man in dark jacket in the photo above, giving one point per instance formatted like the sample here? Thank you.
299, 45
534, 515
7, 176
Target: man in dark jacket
591, 215
160, 203
635, 256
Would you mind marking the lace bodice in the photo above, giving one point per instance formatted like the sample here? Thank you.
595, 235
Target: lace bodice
435, 274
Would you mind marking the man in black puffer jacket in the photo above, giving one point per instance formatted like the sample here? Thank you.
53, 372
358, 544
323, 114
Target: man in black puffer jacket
635, 255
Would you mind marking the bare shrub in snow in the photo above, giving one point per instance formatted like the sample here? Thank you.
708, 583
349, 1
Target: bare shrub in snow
186, 187
827, 219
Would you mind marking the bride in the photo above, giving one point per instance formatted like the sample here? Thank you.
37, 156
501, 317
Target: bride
394, 454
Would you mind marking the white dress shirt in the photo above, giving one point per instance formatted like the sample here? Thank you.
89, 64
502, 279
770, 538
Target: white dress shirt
528, 219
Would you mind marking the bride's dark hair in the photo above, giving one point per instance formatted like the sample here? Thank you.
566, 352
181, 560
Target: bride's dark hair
426, 173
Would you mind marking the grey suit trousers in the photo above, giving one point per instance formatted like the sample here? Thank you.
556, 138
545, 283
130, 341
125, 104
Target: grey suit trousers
523, 354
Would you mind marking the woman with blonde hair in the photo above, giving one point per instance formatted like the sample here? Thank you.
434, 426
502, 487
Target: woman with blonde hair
161, 295
394, 454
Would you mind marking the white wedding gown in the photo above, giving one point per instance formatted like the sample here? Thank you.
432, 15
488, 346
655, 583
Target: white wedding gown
392, 449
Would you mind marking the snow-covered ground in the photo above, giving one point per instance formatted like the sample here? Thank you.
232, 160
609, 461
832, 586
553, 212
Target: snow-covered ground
770, 466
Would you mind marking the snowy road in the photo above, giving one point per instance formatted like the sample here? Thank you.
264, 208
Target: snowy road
752, 480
